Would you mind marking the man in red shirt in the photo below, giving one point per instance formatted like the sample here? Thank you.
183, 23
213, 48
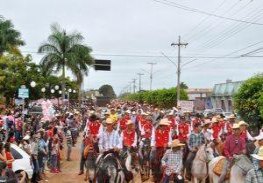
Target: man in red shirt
122, 122
129, 136
234, 145
160, 140
217, 128
183, 130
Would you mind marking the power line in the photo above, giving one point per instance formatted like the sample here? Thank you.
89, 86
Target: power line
176, 5
151, 73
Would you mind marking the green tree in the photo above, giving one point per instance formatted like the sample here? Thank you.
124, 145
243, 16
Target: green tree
248, 101
10, 39
183, 85
66, 51
107, 91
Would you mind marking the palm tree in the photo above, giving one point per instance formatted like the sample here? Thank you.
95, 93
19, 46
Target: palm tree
10, 38
66, 51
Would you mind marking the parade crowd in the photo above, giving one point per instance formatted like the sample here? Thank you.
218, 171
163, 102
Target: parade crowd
165, 141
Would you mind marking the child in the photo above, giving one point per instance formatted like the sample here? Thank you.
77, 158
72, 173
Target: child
172, 162
54, 156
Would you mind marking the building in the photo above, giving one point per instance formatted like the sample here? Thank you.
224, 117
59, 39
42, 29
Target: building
222, 95
201, 98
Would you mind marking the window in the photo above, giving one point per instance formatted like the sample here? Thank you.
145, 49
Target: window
16, 154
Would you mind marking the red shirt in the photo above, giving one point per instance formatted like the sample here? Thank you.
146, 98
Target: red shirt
8, 157
147, 127
243, 135
173, 123
234, 145
94, 127
162, 137
19, 125
128, 137
216, 130
123, 122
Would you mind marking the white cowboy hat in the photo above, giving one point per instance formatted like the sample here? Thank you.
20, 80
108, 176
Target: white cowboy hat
128, 111
145, 114
109, 121
27, 137
232, 116
133, 112
214, 120
176, 143
171, 113
259, 155
243, 123
206, 122
165, 122
129, 122
235, 126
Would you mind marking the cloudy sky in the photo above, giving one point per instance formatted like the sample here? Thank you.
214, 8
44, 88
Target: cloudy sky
133, 33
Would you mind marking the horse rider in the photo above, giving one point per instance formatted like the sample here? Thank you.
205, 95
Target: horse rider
255, 175
122, 122
129, 136
93, 128
234, 145
259, 139
183, 130
172, 162
207, 131
244, 132
216, 128
161, 138
229, 124
173, 125
196, 139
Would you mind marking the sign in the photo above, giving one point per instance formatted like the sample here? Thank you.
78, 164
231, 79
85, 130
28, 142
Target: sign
23, 93
102, 65
186, 106
19, 102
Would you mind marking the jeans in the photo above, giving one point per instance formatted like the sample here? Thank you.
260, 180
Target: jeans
35, 164
41, 163
189, 161
69, 151
82, 159
54, 161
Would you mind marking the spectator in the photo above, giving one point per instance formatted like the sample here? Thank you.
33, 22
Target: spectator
54, 156
9, 157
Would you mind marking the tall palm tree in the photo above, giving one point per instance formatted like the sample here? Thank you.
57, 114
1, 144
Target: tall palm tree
66, 51
10, 38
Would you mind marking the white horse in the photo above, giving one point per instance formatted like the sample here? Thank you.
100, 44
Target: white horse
200, 164
237, 173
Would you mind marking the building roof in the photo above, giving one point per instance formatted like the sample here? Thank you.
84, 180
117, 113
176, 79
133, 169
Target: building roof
226, 89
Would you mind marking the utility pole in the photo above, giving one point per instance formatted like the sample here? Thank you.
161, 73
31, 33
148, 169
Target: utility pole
151, 74
179, 44
134, 82
140, 83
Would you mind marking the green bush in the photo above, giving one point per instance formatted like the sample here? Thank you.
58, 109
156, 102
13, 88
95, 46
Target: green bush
163, 98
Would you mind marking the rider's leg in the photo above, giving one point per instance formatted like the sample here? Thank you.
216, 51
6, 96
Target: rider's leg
188, 163
224, 171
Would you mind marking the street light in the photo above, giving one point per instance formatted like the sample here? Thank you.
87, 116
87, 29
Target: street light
33, 84
74, 91
56, 87
52, 91
70, 90
43, 90
60, 92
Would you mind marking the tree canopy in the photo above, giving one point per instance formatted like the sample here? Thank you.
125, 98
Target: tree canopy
107, 91
10, 38
248, 100
66, 50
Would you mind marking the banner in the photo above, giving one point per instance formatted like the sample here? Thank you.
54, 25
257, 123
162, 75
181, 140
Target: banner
186, 106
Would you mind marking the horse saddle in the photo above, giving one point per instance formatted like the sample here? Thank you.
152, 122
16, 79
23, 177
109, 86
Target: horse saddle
218, 168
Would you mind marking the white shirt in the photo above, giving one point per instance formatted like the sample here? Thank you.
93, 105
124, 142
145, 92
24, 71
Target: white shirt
109, 141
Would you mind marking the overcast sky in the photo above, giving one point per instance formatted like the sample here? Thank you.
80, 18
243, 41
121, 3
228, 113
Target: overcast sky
132, 33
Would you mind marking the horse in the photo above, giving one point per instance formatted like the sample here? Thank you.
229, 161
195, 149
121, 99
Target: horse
90, 165
199, 168
144, 156
109, 169
238, 171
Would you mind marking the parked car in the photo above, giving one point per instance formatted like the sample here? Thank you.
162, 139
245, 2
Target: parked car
207, 112
22, 161
218, 111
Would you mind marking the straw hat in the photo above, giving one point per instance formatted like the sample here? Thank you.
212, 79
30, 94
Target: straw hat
232, 116
171, 113
128, 111
109, 121
214, 120
243, 123
207, 122
145, 114
129, 122
259, 155
235, 126
133, 112
27, 137
165, 122
176, 143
